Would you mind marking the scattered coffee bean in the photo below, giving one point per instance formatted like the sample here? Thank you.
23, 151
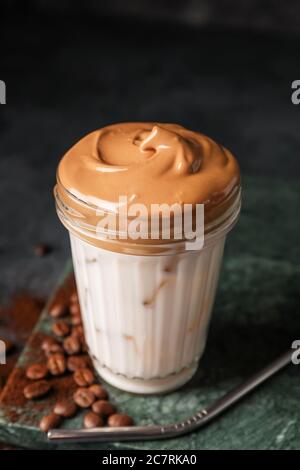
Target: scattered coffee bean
75, 309
84, 397
78, 362
72, 345
61, 328
65, 408
57, 364
37, 389
83, 377
57, 310
98, 391
74, 298
42, 249
92, 420
55, 349
76, 320
49, 422
104, 408
119, 420
78, 331
49, 344
36, 371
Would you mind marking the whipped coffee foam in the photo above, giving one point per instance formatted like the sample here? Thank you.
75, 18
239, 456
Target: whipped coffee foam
149, 163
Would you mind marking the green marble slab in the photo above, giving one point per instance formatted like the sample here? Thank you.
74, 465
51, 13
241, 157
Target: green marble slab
256, 316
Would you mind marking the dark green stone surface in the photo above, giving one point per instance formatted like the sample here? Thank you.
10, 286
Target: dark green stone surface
256, 317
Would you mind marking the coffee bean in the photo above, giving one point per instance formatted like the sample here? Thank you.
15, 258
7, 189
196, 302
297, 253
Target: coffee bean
50, 345
37, 389
47, 342
78, 362
84, 397
83, 377
36, 371
75, 309
65, 408
42, 249
57, 364
119, 420
98, 391
104, 408
78, 331
49, 422
57, 310
72, 345
74, 298
61, 328
76, 320
55, 349
92, 420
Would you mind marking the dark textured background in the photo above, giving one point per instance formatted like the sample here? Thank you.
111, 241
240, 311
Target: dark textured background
262, 15
67, 75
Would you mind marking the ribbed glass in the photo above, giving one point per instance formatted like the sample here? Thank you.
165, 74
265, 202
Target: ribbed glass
146, 316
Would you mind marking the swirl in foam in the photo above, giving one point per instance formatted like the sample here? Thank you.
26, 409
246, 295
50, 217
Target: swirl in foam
149, 163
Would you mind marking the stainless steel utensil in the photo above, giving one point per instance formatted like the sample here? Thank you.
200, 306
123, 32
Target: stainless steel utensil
204, 416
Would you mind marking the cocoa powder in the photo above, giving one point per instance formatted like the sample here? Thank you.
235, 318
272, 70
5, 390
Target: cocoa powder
29, 412
16, 322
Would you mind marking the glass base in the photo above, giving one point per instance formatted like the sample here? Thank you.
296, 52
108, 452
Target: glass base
147, 386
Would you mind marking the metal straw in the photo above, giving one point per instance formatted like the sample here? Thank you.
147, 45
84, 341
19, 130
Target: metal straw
204, 416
